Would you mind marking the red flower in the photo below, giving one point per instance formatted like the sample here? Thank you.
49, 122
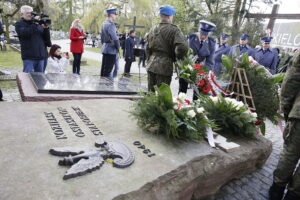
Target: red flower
197, 66
258, 122
201, 72
209, 87
205, 89
201, 82
187, 101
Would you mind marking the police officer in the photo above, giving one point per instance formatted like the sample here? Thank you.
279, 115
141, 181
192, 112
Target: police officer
242, 47
129, 55
203, 47
286, 173
223, 48
165, 43
110, 43
266, 56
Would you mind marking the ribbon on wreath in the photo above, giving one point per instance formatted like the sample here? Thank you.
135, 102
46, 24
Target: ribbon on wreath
215, 87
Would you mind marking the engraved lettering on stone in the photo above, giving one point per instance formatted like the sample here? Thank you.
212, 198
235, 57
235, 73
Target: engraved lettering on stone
84, 160
57, 130
93, 128
72, 124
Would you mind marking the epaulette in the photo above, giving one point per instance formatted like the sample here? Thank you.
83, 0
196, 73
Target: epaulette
192, 36
212, 40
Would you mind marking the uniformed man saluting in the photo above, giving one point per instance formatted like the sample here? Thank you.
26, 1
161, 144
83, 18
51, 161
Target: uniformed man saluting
242, 47
223, 48
287, 173
165, 43
267, 56
110, 43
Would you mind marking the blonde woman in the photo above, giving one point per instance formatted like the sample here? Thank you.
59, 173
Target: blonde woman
77, 36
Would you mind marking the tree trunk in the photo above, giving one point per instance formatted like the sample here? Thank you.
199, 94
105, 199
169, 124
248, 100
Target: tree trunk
235, 21
6, 22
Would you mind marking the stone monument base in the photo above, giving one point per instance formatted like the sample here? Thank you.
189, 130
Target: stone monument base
175, 171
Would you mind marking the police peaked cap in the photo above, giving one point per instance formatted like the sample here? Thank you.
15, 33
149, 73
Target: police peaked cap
244, 36
111, 11
224, 35
206, 26
167, 10
267, 39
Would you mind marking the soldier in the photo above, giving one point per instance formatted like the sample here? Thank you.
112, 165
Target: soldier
242, 47
110, 43
223, 48
165, 43
267, 56
285, 173
203, 47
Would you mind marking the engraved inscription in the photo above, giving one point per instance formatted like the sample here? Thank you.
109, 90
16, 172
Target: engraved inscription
72, 124
57, 130
87, 121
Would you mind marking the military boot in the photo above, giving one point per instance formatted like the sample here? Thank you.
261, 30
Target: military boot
276, 192
291, 196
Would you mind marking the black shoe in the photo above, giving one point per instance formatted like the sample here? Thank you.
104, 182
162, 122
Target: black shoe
291, 196
276, 192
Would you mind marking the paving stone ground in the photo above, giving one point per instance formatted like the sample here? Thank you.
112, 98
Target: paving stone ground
251, 187
255, 186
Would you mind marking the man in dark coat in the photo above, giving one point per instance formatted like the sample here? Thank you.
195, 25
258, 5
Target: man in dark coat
33, 39
1, 28
203, 47
129, 55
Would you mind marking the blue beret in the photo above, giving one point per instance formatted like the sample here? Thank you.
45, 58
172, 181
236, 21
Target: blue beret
224, 35
167, 10
244, 36
111, 11
267, 39
206, 27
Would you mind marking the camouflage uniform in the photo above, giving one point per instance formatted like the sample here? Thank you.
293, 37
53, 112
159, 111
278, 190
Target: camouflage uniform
290, 104
165, 43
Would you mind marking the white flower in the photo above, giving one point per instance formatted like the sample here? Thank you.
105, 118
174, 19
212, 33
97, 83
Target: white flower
239, 105
175, 100
200, 110
214, 99
175, 107
190, 67
182, 96
254, 114
191, 113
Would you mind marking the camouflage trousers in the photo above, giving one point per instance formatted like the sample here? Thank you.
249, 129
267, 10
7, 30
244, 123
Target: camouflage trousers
157, 79
286, 172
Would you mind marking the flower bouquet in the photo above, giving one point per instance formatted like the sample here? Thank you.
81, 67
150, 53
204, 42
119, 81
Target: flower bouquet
195, 74
231, 116
175, 118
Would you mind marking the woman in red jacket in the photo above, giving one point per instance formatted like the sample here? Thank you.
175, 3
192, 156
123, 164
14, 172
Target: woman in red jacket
77, 37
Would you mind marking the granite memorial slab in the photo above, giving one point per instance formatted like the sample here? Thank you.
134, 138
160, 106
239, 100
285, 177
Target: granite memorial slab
34, 134
83, 84
58, 88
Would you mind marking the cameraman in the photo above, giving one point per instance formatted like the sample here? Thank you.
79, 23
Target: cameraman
34, 39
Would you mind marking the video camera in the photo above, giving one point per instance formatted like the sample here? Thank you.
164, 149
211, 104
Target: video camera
43, 19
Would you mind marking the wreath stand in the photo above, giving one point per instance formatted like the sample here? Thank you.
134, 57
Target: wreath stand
239, 85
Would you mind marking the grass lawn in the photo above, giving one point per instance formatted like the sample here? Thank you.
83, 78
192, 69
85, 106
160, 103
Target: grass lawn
10, 58
93, 49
